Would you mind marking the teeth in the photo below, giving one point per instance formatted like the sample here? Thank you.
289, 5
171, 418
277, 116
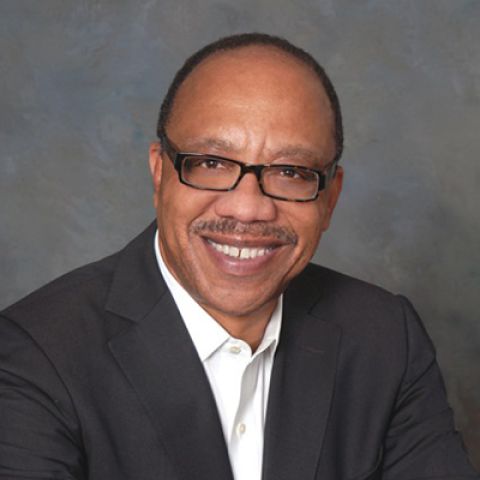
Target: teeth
242, 253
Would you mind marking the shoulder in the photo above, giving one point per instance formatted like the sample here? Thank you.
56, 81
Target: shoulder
319, 284
66, 293
379, 330
60, 323
73, 306
363, 311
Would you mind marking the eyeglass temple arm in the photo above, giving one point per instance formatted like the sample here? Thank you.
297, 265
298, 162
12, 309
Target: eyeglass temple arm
168, 147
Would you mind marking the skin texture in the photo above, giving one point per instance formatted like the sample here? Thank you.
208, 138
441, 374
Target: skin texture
255, 105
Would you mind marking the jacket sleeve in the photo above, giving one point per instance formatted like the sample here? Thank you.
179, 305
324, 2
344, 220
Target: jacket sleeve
421, 441
39, 433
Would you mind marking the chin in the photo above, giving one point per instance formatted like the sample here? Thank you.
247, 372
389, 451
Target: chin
236, 307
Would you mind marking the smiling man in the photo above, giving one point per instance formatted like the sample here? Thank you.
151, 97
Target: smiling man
232, 246
209, 348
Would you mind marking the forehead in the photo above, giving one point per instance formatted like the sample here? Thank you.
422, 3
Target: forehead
250, 71
252, 88
260, 59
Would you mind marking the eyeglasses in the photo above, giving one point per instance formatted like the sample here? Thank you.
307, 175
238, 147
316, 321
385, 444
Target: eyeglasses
292, 183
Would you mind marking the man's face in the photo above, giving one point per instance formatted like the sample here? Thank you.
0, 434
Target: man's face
255, 105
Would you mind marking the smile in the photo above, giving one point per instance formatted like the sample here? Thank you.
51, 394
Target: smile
243, 253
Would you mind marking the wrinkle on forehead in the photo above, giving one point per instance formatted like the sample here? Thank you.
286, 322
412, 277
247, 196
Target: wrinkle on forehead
210, 143
254, 104
227, 147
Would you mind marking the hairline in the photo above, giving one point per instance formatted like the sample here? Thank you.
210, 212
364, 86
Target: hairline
244, 41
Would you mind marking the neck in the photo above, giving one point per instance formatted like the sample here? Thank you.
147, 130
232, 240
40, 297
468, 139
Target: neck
250, 327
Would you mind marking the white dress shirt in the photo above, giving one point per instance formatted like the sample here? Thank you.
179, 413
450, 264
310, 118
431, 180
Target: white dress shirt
239, 380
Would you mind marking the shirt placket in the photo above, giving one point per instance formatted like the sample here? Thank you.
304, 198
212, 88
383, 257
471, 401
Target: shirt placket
246, 438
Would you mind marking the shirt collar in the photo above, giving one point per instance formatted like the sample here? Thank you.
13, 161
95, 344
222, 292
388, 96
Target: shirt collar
206, 333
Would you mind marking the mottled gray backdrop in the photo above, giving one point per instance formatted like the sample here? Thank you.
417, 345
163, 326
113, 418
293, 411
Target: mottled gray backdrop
80, 86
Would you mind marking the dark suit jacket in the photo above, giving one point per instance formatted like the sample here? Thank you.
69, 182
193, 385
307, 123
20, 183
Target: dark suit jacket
99, 380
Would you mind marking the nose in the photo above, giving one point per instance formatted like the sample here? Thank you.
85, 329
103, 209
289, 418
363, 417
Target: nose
246, 203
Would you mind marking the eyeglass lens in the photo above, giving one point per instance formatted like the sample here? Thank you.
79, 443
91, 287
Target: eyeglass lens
277, 180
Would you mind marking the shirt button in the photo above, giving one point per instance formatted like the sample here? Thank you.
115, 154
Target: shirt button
241, 427
235, 349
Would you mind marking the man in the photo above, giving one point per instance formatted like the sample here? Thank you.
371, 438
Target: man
208, 348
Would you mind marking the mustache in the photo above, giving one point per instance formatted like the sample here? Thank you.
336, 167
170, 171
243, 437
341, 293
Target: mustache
255, 229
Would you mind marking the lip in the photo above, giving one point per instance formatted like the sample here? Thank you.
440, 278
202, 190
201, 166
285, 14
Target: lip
246, 241
241, 267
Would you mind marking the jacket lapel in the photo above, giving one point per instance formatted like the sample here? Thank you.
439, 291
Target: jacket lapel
301, 388
159, 359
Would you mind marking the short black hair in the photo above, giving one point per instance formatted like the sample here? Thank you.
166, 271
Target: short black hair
238, 41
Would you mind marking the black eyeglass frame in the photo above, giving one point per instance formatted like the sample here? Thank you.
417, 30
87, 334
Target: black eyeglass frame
324, 176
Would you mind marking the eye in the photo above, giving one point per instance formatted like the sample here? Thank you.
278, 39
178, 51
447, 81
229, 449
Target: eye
298, 174
206, 163
211, 163
290, 172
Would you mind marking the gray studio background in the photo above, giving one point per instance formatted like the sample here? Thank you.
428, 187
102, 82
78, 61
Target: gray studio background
80, 86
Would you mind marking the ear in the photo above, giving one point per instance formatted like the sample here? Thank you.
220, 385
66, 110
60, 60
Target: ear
155, 161
331, 195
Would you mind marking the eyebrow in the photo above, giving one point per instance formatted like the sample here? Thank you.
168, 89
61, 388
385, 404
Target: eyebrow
298, 151
210, 142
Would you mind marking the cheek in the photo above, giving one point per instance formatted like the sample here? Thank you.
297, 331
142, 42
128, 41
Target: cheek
309, 226
170, 195
311, 239
309, 221
171, 218
320, 217
179, 206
